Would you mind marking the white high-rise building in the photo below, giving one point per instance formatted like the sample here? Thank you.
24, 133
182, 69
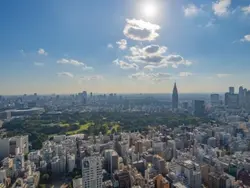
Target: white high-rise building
92, 172
9, 146
71, 162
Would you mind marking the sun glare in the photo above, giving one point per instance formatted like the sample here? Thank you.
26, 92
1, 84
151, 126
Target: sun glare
149, 10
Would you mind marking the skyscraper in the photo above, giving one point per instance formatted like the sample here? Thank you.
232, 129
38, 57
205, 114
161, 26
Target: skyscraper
215, 99
175, 97
231, 90
241, 96
92, 172
199, 108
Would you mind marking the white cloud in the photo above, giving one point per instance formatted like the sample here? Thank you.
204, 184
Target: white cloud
85, 68
177, 60
70, 61
191, 10
221, 7
39, 64
148, 50
93, 77
223, 75
246, 10
152, 67
184, 74
140, 30
75, 63
246, 38
210, 23
22, 52
125, 65
154, 49
110, 46
41, 51
153, 56
122, 44
65, 74
156, 77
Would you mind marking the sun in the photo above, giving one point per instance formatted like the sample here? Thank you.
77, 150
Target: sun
149, 10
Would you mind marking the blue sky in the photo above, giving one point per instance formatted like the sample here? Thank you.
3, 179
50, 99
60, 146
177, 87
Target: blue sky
123, 46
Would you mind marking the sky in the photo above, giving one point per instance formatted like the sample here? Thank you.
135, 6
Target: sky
123, 46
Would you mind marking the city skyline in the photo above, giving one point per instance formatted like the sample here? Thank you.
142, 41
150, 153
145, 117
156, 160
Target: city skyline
124, 47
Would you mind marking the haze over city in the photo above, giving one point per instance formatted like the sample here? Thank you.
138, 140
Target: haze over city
123, 46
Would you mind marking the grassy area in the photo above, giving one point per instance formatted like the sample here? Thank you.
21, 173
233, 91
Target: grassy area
82, 128
64, 125
115, 127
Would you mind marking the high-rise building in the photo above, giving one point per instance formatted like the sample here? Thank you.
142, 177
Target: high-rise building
241, 96
92, 172
175, 99
199, 108
247, 98
123, 178
231, 90
84, 97
231, 100
215, 99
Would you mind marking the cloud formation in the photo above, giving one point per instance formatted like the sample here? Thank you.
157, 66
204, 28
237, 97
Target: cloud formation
41, 51
39, 64
246, 38
153, 57
65, 74
223, 75
246, 10
75, 63
191, 10
70, 61
93, 77
156, 77
122, 44
125, 65
152, 67
184, 74
221, 7
110, 46
140, 30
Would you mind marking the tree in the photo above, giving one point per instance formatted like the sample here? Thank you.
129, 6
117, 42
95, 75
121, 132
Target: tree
45, 177
26, 156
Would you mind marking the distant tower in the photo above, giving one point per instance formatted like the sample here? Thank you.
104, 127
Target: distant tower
175, 98
84, 97
241, 96
231, 90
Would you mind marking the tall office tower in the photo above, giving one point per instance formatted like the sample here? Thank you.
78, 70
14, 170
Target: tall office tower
248, 101
232, 100
215, 99
199, 108
241, 96
92, 172
231, 90
84, 97
175, 97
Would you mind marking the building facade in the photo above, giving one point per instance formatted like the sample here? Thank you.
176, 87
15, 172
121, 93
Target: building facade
92, 172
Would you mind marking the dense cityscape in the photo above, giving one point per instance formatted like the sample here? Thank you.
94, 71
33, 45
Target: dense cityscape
86, 140
124, 94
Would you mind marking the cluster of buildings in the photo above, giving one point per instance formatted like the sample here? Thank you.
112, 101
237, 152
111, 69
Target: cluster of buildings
15, 171
211, 155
